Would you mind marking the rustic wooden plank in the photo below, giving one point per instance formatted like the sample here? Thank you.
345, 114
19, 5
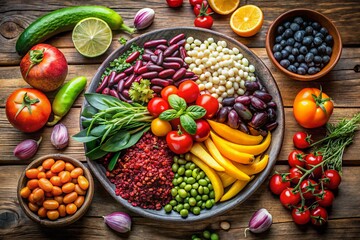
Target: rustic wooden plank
344, 217
11, 137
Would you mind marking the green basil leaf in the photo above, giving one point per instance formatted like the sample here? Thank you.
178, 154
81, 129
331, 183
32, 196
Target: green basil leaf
83, 137
89, 111
188, 123
135, 138
98, 131
195, 112
96, 153
100, 101
177, 102
168, 115
91, 145
116, 142
113, 161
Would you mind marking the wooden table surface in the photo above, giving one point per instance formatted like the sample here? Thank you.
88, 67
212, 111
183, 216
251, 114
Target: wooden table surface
342, 84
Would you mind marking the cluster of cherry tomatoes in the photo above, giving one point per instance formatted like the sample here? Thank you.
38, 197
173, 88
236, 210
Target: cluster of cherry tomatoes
307, 189
178, 140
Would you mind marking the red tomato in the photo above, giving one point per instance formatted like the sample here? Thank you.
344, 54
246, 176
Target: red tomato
197, 9
308, 188
175, 123
331, 179
28, 109
296, 158
194, 2
202, 130
167, 91
278, 183
203, 21
210, 104
44, 67
157, 105
312, 160
179, 142
295, 175
319, 216
302, 140
174, 3
325, 198
289, 199
189, 91
301, 215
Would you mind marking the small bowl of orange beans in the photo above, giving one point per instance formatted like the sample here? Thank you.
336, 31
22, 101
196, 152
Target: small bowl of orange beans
55, 190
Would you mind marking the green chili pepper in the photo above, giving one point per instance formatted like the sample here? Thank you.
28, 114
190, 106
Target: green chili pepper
65, 98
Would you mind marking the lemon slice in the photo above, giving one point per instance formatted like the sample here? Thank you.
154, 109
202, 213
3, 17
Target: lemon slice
246, 21
91, 37
223, 7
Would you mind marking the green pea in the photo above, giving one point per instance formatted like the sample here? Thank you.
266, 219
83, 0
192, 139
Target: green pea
181, 171
199, 203
197, 238
193, 192
210, 186
194, 237
182, 193
198, 198
198, 177
208, 204
190, 180
185, 178
206, 234
179, 207
176, 175
173, 192
204, 197
187, 206
178, 198
195, 172
176, 159
203, 182
214, 236
206, 190
212, 201
182, 185
174, 182
187, 156
201, 190
192, 166
173, 203
188, 173
177, 187
192, 201
212, 194
179, 180
207, 179
202, 174
203, 205
182, 161
188, 187
175, 167
196, 210
184, 213
168, 208
195, 185
187, 165
186, 200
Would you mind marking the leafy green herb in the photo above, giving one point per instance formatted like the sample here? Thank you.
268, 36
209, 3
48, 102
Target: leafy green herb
116, 142
196, 112
113, 161
188, 123
141, 92
168, 115
122, 40
177, 103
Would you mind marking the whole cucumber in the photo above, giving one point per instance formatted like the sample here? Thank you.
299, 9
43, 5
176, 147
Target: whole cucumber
65, 19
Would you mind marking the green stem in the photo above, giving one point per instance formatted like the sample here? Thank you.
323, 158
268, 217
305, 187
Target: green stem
26, 103
36, 57
126, 28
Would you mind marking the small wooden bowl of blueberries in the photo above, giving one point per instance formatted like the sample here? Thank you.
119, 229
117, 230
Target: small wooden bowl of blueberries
303, 44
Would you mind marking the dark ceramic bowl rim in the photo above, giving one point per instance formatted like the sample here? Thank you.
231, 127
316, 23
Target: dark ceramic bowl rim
98, 170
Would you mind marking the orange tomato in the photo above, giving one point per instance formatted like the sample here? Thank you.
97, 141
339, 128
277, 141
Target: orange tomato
47, 164
33, 207
42, 212
25, 192
68, 187
56, 191
41, 175
83, 182
45, 184
50, 204
76, 172
59, 199
56, 181
32, 184
62, 210
32, 173
312, 108
70, 197
64, 176
38, 194
53, 214
79, 201
69, 167
58, 166
78, 190
71, 208
41, 168
50, 174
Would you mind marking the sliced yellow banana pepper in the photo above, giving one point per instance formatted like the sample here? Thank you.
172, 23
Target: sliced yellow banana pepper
226, 179
253, 168
201, 153
234, 189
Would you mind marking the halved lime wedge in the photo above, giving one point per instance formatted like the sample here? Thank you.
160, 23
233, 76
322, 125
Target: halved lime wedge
92, 37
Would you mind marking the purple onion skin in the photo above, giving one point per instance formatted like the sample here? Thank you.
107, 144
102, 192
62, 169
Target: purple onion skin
144, 18
26, 149
260, 221
59, 136
118, 221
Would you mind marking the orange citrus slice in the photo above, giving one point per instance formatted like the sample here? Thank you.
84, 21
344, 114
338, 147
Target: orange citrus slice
223, 7
247, 20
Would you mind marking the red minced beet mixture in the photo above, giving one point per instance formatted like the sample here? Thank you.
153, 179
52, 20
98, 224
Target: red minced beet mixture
143, 175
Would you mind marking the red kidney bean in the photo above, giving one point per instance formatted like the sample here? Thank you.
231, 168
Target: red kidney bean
160, 82
251, 86
271, 126
181, 42
244, 128
146, 57
160, 59
138, 78
150, 75
271, 114
243, 99
132, 57
120, 86
137, 65
174, 59
222, 114
129, 70
185, 65
103, 84
154, 43
170, 50
258, 119
177, 38
271, 104
258, 103
264, 96
112, 79
157, 51
177, 83
171, 65
153, 67
229, 101
233, 119
170, 81
142, 69
189, 74
106, 91
176, 54
114, 93
182, 52
179, 74
123, 98
119, 76
156, 89
194, 78
125, 93
129, 81
166, 73
154, 58
243, 112
148, 51
162, 47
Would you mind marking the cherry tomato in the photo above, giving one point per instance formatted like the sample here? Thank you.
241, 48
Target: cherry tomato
302, 140
289, 199
312, 160
160, 127
295, 175
27, 109
179, 142
319, 216
197, 9
83, 182
210, 104
278, 183
331, 179
157, 105
202, 130
308, 188
301, 215
296, 158
174, 3
203, 21
167, 91
58, 166
194, 2
189, 91
325, 198
175, 123
32, 173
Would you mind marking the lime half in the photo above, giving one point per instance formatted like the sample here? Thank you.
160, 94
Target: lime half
92, 37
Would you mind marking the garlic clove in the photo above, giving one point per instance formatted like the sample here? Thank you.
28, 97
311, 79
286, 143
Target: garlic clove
118, 221
144, 18
260, 221
60, 136
27, 149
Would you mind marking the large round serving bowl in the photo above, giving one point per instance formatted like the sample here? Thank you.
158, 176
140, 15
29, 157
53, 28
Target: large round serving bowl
267, 80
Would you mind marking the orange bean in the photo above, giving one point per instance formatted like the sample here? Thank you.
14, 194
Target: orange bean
50, 204
41, 175
74, 180
32, 184
25, 192
41, 168
33, 207
68, 187
62, 210
58, 166
65, 176
56, 191
79, 201
71, 208
45, 184
38, 194
53, 214
47, 164
49, 194
42, 212
79, 191
32, 173
76, 172
69, 167
70, 197
50, 174
83, 182
59, 199
56, 181
40, 202
31, 198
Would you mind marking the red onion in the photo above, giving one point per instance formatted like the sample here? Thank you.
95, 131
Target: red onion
144, 18
260, 221
118, 221
60, 136
26, 149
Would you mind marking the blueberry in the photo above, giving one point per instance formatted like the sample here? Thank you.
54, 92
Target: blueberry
314, 32
283, 43
295, 51
328, 51
284, 53
305, 24
322, 65
325, 59
321, 49
286, 24
311, 64
311, 71
296, 64
309, 30
303, 50
307, 40
297, 45
292, 68
317, 69
317, 59
304, 66
314, 51
290, 42
316, 25
320, 35
301, 71
317, 41
291, 58
288, 48
277, 56
329, 39
295, 27
298, 20
285, 63
317, 64
299, 36
309, 57
300, 58
278, 39
277, 48
280, 29
324, 31
288, 33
